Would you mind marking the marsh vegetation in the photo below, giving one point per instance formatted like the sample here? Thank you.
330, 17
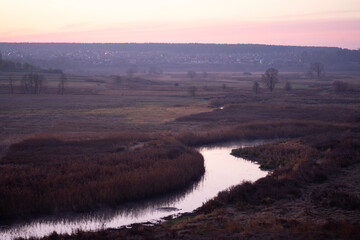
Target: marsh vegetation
105, 140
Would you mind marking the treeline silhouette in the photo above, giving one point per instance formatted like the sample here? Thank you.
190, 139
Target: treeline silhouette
47, 175
180, 48
171, 57
13, 66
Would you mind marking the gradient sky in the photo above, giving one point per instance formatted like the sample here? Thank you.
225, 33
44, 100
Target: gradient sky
280, 22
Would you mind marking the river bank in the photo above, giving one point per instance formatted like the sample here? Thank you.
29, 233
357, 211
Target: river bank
322, 203
222, 172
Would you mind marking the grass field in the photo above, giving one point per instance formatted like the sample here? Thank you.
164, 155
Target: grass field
160, 110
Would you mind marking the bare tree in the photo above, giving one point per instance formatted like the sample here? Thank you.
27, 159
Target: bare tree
32, 83
340, 86
37, 84
318, 68
37, 81
270, 78
24, 84
41, 84
153, 70
256, 87
192, 90
287, 86
191, 74
309, 74
131, 71
61, 86
11, 85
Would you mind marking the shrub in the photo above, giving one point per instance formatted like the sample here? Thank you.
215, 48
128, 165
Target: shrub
340, 86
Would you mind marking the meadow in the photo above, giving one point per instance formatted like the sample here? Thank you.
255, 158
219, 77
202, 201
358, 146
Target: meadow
131, 129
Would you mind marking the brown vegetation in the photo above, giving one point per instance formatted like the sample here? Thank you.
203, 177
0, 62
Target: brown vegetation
278, 154
272, 207
340, 86
263, 130
303, 210
270, 78
51, 175
44, 175
274, 111
323, 155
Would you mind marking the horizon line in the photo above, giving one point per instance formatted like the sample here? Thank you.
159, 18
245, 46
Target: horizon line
178, 43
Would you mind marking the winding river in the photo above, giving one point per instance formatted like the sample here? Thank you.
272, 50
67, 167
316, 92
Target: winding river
222, 171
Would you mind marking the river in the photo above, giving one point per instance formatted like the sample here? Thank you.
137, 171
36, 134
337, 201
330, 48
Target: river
222, 171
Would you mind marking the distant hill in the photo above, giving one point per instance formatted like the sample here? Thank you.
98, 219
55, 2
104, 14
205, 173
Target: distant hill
116, 58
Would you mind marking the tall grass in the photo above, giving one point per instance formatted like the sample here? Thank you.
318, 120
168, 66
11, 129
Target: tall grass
261, 129
278, 154
328, 155
50, 175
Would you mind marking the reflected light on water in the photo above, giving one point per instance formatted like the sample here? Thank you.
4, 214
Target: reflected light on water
222, 171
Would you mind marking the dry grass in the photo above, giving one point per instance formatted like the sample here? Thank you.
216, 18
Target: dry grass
264, 130
315, 165
149, 114
279, 154
33, 185
51, 175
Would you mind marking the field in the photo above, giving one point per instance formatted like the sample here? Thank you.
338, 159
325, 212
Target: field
107, 120
149, 103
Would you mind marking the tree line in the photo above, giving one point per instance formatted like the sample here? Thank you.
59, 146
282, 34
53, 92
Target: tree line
32, 83
12, 66
271, 77
35, 83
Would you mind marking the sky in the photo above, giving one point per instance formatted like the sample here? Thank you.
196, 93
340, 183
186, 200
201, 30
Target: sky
276, 22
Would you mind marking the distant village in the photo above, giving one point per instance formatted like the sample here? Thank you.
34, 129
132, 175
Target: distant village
115, 58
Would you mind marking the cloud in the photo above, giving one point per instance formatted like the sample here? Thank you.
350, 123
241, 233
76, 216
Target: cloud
344, 33
323, 14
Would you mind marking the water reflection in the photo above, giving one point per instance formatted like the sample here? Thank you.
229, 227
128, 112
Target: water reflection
222, 172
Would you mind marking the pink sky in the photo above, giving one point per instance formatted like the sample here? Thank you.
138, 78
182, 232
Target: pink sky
306, 23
